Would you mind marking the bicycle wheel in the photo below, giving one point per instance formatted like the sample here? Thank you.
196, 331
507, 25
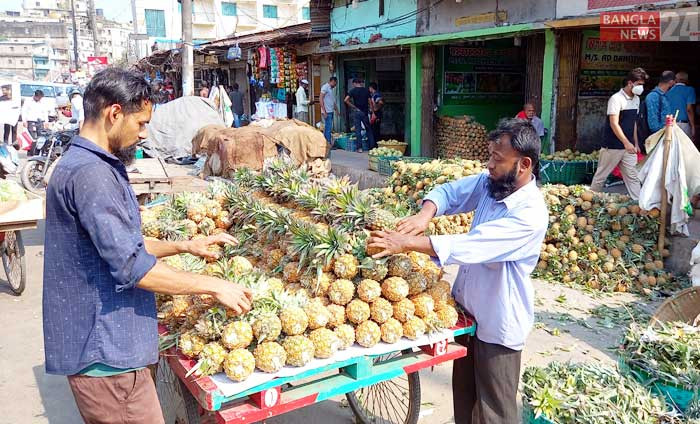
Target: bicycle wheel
176, 401
395, 401
12, 252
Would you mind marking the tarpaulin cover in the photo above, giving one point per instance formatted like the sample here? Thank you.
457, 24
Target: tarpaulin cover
174, 125
201, 140
682, 177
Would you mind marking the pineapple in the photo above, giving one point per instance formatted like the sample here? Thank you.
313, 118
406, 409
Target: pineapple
217, 231
294, 320
181, 303
368, 334
274, 257
341, 291
381, 310
433, 273
448, 316
346, 335
190, 227
291, 272
300, 350
317, 314
374, 269
400, 265
267, 327
151, 228
417, 283
424, 304
346, 266
357, 311
404, 310
318, 284
414, 328
392, 331
211, 359
419, 261
191, 344
336, 315
213, 209
237, 335
395, 288
206, 226
381, 219
432, 322
275, 285
270, 357
369, 290
239, 364
325, 341
223, 220
240, 265
449, 302
440, 291
211, 324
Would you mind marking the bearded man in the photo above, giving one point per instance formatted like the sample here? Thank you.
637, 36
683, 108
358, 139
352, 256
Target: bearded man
496, 258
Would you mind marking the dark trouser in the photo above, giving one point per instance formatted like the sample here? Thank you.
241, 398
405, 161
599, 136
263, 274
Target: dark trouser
128, 398
8, 130
359, 118
376, 128
485, 383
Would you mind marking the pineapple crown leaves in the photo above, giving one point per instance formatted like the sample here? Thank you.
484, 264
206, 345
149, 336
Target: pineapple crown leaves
334, 242
304, 239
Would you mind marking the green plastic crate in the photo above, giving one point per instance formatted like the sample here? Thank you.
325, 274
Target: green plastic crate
567, 172
529, 416
676, 396
346, 143
386, 163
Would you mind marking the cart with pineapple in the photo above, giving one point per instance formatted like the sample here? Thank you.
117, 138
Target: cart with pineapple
379, 387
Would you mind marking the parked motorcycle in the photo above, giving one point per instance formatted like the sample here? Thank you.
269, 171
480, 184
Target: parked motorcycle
45, 151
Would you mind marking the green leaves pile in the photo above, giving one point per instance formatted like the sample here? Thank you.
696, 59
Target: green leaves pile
11, 191
590, 394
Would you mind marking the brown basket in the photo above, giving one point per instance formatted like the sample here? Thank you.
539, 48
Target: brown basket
684, 306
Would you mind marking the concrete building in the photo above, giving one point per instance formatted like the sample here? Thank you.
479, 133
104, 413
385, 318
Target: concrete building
113, 39
160, 20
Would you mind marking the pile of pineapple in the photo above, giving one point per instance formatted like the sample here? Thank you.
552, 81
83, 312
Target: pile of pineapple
303, 253
570, 155
603, 241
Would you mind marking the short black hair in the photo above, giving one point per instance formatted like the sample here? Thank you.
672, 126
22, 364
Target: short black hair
667, 76
235, 86
523, 138
39, 93
333, 79
356, 81
635, 75
115, 86
373, 85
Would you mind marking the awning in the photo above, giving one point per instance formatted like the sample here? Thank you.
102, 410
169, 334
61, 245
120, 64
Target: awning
285, 35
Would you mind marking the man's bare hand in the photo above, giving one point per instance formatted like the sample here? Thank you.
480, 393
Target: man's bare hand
390, 243
414, 225
235, 296
200, 247
629, 147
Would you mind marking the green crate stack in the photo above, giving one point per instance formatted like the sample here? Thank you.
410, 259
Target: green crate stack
567, 172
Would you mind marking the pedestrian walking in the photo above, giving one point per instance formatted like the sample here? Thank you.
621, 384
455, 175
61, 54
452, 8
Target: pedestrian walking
681, 98
302, 99
100, 275
620, 141
10, 114
496, 258
657, 102
358, 100
377, 115
236, 105
329, 106
76, 107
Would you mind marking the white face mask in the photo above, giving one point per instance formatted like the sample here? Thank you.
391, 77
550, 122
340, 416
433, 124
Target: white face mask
638, 90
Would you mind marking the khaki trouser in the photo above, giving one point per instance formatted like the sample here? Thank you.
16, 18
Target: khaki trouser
608, 160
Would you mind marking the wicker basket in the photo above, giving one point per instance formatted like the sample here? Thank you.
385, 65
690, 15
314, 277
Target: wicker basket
567, 172
401, 147
684, 306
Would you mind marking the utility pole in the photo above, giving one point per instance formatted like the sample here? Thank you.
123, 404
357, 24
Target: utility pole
135, 22
76, 58
93, 24
187, 50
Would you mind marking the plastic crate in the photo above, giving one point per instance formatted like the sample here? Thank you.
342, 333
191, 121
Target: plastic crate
346, 143
567, 172
374, 163
677, 397
529, 416
386, 163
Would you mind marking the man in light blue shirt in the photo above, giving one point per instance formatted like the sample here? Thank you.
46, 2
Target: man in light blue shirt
681, 98
496, 258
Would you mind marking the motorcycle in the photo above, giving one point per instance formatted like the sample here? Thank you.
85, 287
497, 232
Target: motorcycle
11, 245
45, 151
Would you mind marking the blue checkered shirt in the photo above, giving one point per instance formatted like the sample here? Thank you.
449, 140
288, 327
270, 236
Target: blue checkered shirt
94, 258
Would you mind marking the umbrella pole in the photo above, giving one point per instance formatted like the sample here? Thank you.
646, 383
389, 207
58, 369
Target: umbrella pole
668, 136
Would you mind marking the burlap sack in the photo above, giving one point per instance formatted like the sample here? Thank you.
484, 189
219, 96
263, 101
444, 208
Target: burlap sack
233, 148
203, 136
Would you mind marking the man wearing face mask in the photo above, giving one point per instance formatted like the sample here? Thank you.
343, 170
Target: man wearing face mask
620, 141
496, 258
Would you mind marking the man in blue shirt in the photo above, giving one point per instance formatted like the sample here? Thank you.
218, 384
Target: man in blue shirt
496, 258
657, 102
99, 311
681, 98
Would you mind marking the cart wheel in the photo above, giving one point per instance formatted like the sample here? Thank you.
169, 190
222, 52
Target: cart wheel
176, 401
12, 252
395, 401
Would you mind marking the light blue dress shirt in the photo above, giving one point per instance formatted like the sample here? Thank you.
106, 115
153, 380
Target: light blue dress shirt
496, 257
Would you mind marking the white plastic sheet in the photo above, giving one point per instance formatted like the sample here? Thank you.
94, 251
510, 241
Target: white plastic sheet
682, 177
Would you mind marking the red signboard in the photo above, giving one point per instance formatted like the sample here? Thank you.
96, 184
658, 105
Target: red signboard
630, 26
97, 60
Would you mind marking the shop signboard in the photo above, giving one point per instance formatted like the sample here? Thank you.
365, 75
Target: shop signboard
488, 71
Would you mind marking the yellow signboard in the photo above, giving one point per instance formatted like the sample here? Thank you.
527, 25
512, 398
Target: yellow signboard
483, 18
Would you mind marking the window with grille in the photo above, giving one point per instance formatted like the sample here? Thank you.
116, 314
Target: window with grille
270, 11
155, 23
306, 13
228, 9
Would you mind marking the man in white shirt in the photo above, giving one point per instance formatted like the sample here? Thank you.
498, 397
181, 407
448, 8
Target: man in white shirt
302, 102
34, 113
328, 107
76, 107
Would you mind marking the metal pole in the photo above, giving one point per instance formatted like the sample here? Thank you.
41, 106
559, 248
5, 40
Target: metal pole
187, 50
76, 58
135, 23
93, 24
668, 136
